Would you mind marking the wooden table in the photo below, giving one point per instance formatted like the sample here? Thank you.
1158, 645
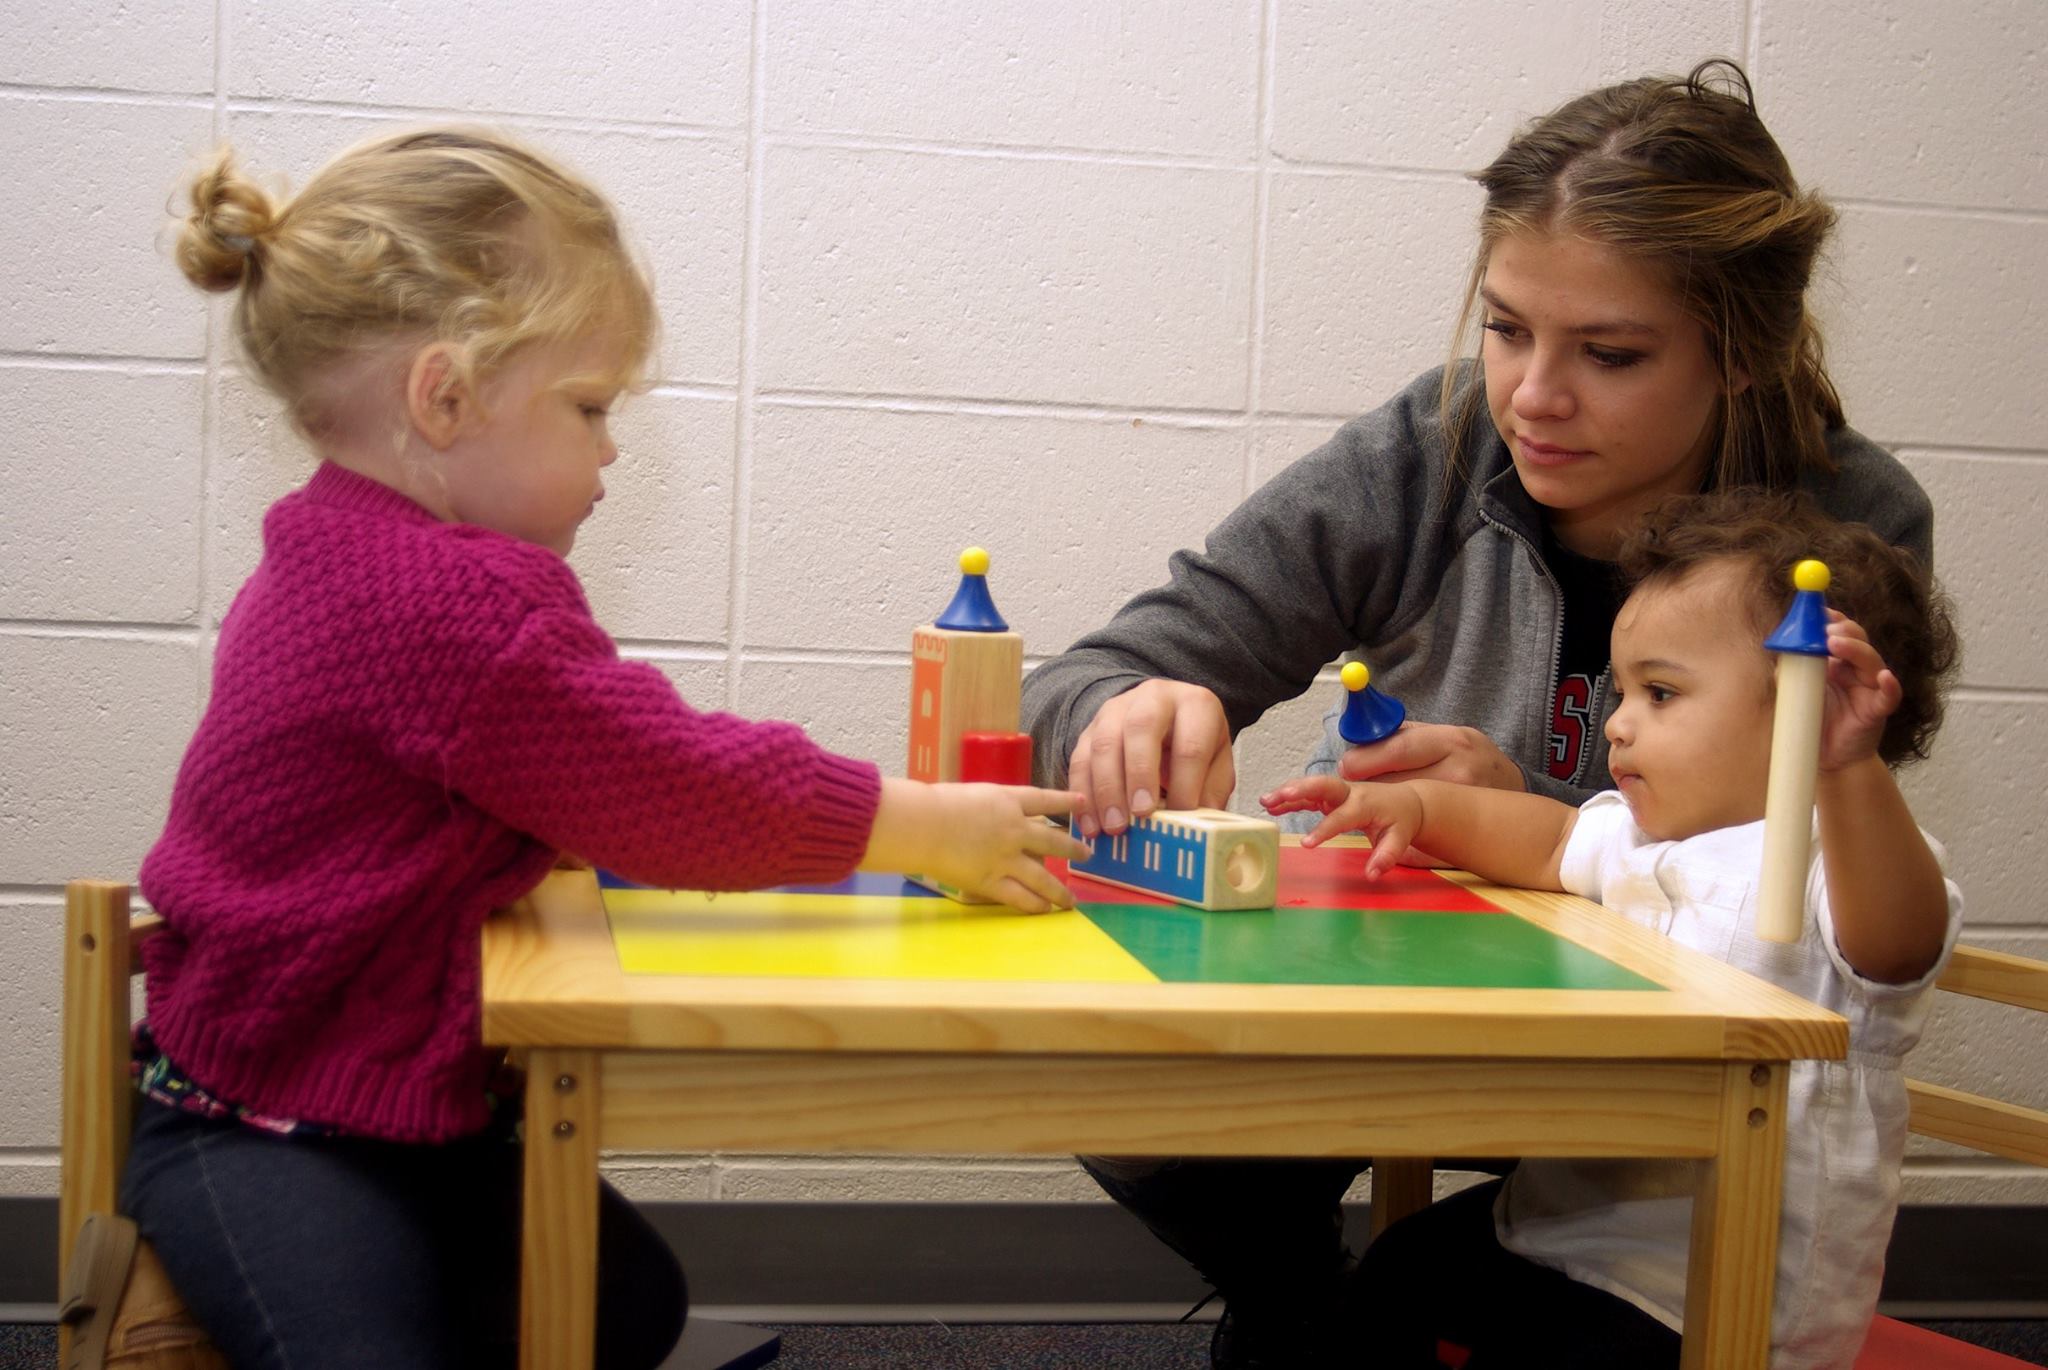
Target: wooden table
809, 1064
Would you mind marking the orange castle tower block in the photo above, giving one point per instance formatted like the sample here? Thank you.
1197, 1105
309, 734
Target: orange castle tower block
966, 671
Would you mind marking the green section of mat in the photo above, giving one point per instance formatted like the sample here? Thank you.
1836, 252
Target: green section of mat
1355, 947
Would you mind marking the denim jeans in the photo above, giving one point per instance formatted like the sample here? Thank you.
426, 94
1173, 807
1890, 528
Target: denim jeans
300, 1253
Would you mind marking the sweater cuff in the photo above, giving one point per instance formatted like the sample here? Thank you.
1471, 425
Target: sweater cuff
827, 840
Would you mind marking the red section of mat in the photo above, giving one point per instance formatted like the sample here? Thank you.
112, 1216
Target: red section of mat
1902, 1346
1322, 878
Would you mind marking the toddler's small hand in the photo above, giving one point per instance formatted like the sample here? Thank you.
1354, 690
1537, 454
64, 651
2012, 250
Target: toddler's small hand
1862, 694
1389, 814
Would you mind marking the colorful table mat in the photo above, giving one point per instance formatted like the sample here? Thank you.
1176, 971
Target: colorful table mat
1329, 926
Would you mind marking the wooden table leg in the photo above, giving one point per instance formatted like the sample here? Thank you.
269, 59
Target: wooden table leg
558, 1243
1400, 1185
1732, 1276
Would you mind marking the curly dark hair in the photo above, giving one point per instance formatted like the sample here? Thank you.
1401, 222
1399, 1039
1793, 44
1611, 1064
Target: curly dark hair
1884, 588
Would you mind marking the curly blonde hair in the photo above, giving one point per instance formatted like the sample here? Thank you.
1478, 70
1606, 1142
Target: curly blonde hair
439, 235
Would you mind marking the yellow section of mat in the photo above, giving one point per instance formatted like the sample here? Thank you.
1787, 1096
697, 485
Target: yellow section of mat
685, 932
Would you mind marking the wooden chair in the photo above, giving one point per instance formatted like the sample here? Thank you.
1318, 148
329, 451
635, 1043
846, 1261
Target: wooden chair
1402, 1186
116, 1307
1988, 1125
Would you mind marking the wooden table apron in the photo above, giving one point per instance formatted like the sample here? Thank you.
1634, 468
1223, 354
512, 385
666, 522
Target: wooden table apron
737, 1063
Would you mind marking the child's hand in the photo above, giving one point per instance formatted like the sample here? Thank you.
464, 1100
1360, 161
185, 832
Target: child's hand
1862, 694
986, 840
1390, 815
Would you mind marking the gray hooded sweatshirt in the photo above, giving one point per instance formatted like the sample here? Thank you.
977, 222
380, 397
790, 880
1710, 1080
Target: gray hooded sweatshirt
1353, 548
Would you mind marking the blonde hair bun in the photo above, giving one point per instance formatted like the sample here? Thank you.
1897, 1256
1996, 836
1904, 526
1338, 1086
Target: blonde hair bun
230, 216
441, 234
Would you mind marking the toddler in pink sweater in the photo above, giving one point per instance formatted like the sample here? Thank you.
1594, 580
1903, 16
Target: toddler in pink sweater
413, 715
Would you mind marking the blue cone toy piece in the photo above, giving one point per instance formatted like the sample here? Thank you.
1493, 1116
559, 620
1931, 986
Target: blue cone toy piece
972, 609
1368, 714
1804, 629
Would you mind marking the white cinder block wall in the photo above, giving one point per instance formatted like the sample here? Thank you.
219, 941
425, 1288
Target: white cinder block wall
1066, 278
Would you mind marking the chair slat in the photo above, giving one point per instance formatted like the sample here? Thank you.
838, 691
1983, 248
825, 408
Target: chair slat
95, 1077
1981, 1124
2017, 980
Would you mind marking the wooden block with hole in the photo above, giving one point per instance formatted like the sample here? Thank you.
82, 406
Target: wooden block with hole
1209, 858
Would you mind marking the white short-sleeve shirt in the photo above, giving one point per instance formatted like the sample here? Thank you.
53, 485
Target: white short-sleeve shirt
1625, 1226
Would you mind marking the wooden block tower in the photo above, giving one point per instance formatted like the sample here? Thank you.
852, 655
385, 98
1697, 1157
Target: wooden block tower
966, 671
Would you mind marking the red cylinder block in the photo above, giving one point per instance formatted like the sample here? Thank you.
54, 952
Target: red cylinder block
998, 758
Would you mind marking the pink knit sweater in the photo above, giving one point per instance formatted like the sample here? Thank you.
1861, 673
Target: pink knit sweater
409, 720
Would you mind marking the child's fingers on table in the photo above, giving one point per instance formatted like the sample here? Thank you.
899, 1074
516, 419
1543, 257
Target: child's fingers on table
1049, 888
1306, 792
1043, 803
1336, 823
1386, 854
1044, 839
1030, 887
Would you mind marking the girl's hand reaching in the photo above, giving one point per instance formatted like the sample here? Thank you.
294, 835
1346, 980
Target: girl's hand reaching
1862, 694
1390, 815
986, 840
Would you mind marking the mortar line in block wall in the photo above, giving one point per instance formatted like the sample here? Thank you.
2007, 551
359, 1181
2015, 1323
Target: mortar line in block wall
1262, 194
81, 361
830, 141
105, 95
743, 395
209, 398
983, 406
1939, 209
1997, 694
539, 121
72, 630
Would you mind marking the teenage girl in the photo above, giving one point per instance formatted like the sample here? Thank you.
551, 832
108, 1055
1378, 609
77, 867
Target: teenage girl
1641, 282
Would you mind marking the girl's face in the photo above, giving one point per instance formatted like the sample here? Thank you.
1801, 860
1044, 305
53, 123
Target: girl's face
1600, 386
1689, 745
533, 466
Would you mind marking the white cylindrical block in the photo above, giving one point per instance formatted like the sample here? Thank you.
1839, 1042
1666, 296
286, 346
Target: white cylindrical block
1788, 803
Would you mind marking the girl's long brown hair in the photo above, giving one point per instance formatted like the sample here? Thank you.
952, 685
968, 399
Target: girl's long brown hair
1681, 174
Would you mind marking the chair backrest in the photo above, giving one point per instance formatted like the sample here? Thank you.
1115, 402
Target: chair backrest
97, 1117
1976, 1121
99, 939
1980, 1123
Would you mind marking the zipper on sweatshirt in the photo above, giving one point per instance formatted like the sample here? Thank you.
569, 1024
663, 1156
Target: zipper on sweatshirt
1548, 705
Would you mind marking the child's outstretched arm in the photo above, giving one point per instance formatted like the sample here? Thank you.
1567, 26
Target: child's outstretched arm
984, 839
1503, 835
1885, 888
